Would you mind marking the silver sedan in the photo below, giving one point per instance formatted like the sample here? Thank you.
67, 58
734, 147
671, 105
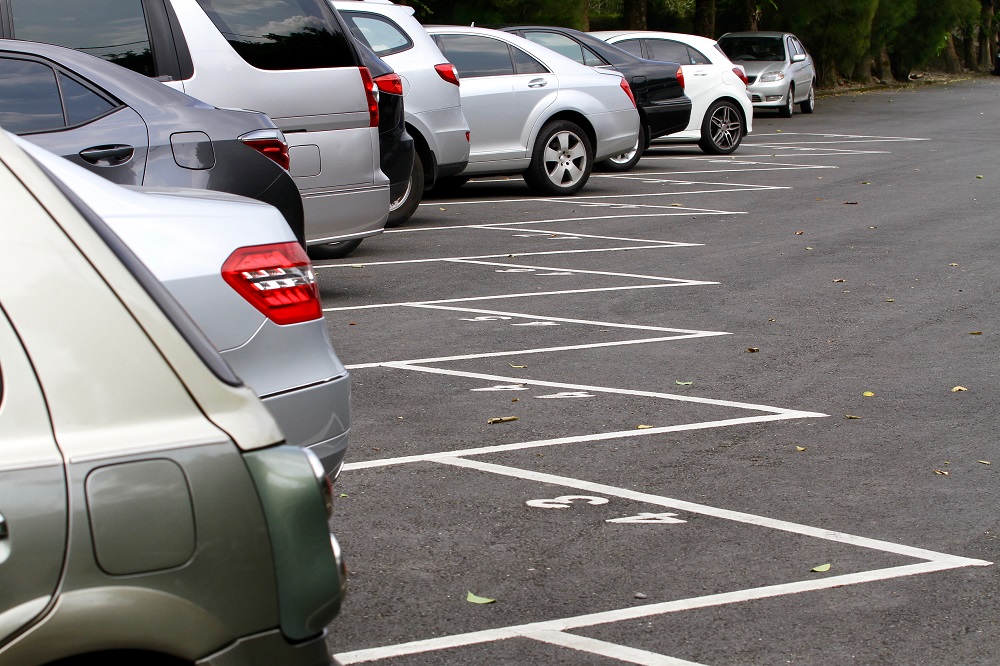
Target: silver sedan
779, 69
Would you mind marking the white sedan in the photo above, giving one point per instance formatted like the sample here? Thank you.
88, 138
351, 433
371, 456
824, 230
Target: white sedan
535, 112
721, 111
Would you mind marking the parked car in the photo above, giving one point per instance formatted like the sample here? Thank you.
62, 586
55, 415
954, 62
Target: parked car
658, 86
134, 131
535, 112
779, 69
432, 102
291, 59
149, 513
237, 270
721, 113
396, 149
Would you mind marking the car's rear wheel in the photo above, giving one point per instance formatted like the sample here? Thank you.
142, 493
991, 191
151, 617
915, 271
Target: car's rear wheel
722, 129
561, 160
627, 160
334, 250
809, 105
789, 108
405, 206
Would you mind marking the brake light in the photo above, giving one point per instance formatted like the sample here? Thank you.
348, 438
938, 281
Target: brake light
371, 92
680, 77
448, 72
269, 143
738, 71
628, 91
276, 279
390, 83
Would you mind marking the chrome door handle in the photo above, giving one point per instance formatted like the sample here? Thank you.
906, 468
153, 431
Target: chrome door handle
108, 155
537, 83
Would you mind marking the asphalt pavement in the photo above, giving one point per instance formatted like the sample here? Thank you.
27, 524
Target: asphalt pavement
717, 410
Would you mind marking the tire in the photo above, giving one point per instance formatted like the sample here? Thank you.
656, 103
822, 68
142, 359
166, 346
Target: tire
448, 186
405, 206
722, 129
561, 160
627, 160
334, 250
809, 105
789, 108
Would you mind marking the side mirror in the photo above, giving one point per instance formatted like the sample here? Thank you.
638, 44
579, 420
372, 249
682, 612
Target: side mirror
798, 57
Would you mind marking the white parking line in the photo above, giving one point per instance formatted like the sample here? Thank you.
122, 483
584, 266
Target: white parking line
611, 650
607, 324
566, 270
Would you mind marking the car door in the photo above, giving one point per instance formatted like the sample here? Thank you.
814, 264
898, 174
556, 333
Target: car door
66, 115
33, 503
700, 76
802, 72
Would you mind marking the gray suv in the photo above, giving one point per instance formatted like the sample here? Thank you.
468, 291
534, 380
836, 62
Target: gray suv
291, 59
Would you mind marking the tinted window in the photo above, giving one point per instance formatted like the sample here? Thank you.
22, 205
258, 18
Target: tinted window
525, 64
633, 46
753, 48
476, 56
665, 49
697, 58
112, 29
282, 34
561, 44
82, 103
29, 97
591, 59
380, 34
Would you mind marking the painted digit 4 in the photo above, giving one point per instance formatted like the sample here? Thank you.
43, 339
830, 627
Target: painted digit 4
647, 518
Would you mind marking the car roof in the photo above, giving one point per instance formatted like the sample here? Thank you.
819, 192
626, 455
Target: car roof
694, 40
756, 33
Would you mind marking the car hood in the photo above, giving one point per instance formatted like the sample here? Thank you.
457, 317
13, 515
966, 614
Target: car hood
758, 67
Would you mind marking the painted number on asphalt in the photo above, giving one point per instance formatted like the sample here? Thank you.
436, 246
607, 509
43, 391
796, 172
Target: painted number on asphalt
485, 318
648, 518
566, 394
565, 501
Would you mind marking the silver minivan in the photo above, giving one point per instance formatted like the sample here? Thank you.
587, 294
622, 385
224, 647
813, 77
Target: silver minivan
291, 59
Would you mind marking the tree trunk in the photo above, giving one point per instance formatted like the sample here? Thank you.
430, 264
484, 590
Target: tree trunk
751, 15
881, 67
635, 14
863, 71
704, 18
969, 46
987, 36
952, 64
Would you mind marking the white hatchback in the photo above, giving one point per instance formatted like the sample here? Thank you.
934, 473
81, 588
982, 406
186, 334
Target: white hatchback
721, 112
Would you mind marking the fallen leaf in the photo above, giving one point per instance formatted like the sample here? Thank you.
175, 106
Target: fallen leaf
639, 595
676, 205
643, 427
979, 177
840, 280
941, 472
501, 419
953, 264
343, 494
873, 227
442, 209
985, 462
357, 265
753, 350
799, 233
778, 131
515, 400
473, 599
821, 568
680, 383
852, 416
865, 182
850, 203
353, 323
808, 248
959, 388
975, 332
868, 394
517, 366
890, 300
819, 198
800, 448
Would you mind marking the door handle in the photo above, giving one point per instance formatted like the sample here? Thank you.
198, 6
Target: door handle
638, 80
537, 83
3, 527
108, 155
701, 73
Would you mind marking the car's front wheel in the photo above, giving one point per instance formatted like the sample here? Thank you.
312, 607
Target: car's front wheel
561, 160
627, 160
405, 206
789, 108
722, 128
809, 104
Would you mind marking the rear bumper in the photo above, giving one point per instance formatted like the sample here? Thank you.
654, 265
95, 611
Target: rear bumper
271, 648
397, 161
616, 132
338, 215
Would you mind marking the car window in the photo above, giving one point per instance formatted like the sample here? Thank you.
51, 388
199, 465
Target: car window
669, 50
697, 57
633, 46
526, 64
475, 56
282, 34
591, 59
797, 46
561, 44
29, 97
753, 48
81, 103
112, 29
381, 35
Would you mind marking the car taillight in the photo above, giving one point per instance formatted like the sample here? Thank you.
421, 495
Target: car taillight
448, 72
390, 83
270, 143
371, 91
680, 77
628, 91
276, 279
738, 71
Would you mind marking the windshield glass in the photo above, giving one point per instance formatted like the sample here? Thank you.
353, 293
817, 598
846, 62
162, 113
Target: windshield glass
753, 48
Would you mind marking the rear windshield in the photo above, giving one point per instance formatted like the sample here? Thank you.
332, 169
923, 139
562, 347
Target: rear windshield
753, 48
282, 34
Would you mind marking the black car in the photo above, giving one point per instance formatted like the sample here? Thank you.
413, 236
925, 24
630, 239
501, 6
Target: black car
396, 146
659, 93
133, 130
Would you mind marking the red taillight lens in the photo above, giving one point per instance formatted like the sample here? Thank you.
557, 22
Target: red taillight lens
270, 143
738, 71
448, 72
390, 83
628, 91
680, 76
276, 279
371, 91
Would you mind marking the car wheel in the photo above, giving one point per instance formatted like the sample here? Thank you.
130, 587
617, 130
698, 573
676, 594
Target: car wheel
334, 250
809, 105
448, 186
561, 160
405, 206
627, 160
789, 108
722, 129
